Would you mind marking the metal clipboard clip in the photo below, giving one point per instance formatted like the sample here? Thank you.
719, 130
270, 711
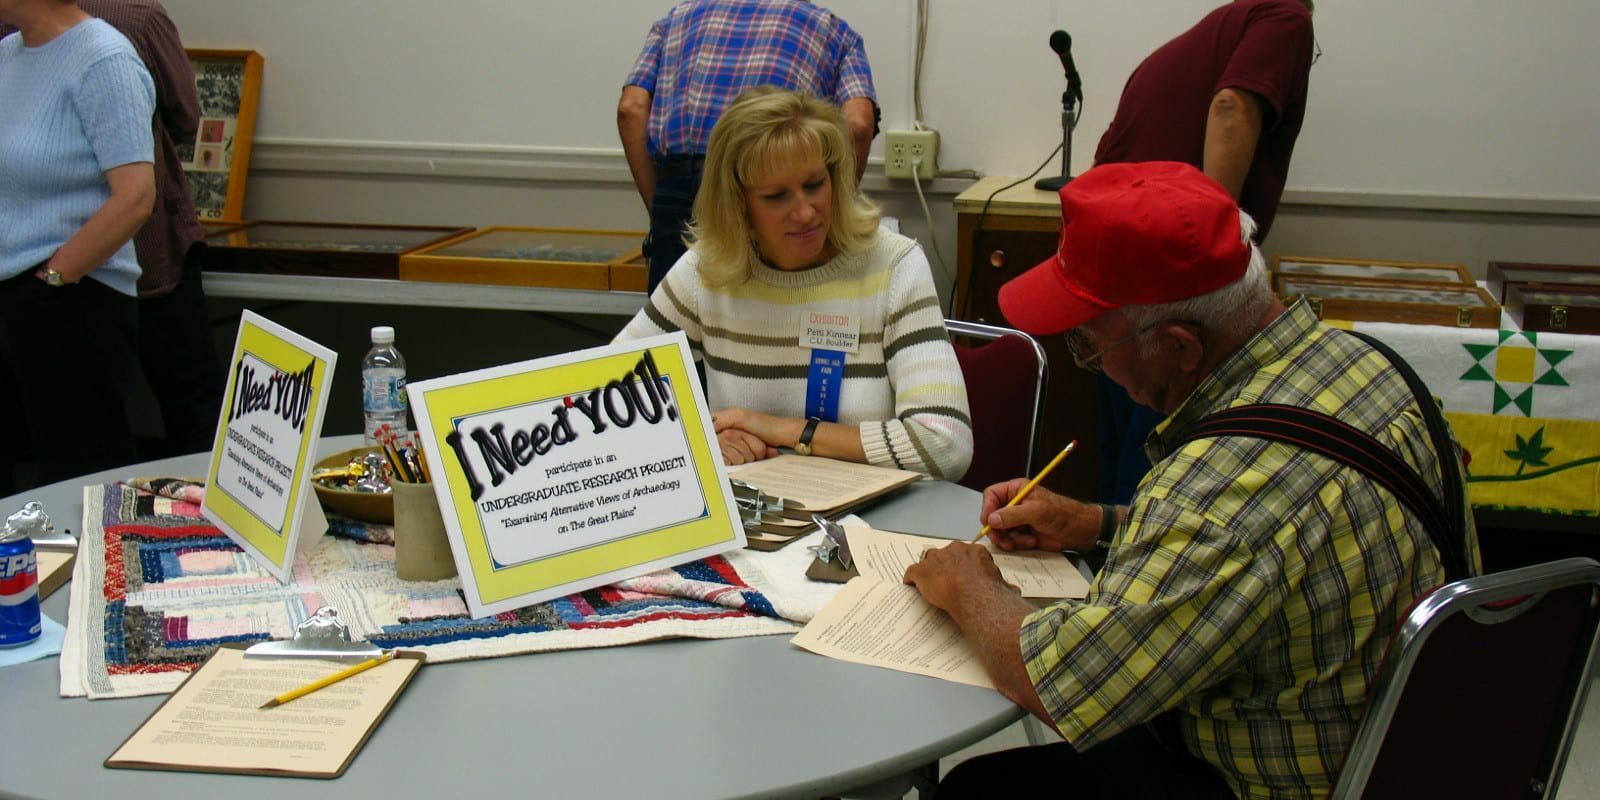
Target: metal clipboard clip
756, 506
835, 545
322, 635
35, 524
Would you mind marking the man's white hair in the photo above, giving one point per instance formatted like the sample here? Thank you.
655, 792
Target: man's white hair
1235, 309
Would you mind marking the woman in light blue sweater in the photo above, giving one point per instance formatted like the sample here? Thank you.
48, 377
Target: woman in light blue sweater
76, 182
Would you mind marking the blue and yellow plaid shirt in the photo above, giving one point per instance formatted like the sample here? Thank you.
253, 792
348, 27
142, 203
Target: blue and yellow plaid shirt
1254, 586
705, 52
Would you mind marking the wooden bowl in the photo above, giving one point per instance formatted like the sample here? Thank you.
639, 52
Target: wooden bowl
364, 506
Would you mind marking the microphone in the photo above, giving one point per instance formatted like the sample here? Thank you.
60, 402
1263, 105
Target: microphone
1061, 42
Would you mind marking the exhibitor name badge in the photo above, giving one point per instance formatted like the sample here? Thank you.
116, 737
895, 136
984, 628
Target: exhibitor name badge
568, 472
830, 330
564, 473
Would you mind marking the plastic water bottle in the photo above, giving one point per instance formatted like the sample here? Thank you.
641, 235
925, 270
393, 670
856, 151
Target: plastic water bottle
383, 385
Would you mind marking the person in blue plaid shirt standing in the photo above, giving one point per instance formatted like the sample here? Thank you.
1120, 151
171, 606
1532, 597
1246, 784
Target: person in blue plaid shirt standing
700, 56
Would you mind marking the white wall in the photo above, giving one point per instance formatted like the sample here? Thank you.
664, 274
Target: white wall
1448, 131
1479, 98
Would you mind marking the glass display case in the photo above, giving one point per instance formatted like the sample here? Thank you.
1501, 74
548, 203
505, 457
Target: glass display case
1558, 308
1505, 273
320, 248
1453, 305
1366, 270
554, 257
209, 229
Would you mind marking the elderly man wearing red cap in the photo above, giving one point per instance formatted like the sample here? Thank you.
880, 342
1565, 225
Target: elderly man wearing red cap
1251, 587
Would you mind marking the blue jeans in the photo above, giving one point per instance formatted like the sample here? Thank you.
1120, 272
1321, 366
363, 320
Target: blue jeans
670, 210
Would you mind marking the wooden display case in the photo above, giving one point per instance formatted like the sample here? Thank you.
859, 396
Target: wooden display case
1364, 270
1504, 273
554, 257
1556, 308
1394, 301
209, 229
325, 249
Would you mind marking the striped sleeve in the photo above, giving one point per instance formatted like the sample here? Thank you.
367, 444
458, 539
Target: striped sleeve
931, 431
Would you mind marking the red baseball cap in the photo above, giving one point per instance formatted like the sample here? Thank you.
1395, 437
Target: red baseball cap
1131, 234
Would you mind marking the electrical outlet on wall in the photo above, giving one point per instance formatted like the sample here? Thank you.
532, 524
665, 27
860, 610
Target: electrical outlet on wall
906, 152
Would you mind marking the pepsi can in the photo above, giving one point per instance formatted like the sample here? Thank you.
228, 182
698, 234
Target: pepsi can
19, 589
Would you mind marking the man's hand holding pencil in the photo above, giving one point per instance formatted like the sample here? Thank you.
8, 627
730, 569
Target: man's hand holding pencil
1043, 520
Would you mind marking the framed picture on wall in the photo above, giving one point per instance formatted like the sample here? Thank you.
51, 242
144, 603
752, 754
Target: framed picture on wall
217, 162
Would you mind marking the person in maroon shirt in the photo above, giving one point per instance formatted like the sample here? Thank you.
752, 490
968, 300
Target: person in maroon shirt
176, 349
1227, 96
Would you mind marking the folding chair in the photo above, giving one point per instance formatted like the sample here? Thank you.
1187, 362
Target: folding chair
1006, 378
1482, 689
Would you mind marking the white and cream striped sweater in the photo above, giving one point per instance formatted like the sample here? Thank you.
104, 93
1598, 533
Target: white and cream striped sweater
903, 389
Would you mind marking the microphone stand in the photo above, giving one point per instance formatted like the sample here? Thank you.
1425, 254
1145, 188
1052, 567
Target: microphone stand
1069, 121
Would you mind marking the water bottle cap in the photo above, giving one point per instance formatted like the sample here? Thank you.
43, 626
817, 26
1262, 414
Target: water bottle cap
382, 334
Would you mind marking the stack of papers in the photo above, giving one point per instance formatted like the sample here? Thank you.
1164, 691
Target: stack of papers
812, 485
879, 621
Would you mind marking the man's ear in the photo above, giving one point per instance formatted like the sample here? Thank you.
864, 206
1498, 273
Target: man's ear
1185, 341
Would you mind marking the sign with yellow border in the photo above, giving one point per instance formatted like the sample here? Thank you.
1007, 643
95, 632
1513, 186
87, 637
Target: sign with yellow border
259, 482
565, 473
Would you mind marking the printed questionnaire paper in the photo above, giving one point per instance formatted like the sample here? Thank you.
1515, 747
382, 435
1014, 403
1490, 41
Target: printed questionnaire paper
889, 625
884, 556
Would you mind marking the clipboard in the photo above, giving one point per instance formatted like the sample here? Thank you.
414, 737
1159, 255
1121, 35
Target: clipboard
55, 567
391, 678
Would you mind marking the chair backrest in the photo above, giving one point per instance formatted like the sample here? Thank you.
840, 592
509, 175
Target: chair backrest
1482, 688
1005, 378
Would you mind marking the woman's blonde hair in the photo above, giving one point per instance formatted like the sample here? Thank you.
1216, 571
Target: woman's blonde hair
764, 131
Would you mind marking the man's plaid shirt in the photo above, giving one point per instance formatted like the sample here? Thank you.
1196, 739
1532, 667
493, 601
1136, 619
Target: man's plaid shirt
1253, 586
705, 52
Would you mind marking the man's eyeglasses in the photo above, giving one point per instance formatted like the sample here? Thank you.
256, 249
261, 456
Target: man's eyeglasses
1078, 344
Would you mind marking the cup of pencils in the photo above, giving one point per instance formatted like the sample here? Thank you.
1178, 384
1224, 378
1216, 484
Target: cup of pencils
421, 550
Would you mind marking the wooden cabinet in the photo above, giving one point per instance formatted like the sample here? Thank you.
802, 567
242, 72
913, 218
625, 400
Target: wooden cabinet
1020, 228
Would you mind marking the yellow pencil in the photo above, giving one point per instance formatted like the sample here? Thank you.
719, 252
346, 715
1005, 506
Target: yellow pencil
1035, 482
331, 679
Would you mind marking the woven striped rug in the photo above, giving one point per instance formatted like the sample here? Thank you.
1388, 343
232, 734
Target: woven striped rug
156, 589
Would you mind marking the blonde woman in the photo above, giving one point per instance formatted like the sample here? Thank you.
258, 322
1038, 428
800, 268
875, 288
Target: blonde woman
820, 330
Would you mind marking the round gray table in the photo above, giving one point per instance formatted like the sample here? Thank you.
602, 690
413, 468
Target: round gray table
752, 717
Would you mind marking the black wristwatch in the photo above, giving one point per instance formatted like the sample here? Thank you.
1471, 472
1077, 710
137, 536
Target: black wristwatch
1108, 525
803, 445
